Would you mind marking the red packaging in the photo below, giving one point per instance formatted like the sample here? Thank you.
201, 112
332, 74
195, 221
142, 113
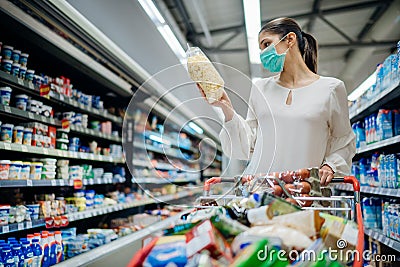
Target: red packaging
205, 236
52, 132
140, 256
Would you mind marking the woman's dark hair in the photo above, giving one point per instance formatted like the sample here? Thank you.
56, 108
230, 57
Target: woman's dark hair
306, 42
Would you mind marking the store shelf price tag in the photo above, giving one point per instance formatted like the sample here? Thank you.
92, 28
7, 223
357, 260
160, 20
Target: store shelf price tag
31, 115
85, 182
375, 236
59, 153
61, 182
20, 81
28, 225
391, 243
91, 181
61, 97
53, 183
24, 148
20, 226
29, 183
30, 85
99, 181
91, 156
7, 146
45, 151
5, 229
7, 109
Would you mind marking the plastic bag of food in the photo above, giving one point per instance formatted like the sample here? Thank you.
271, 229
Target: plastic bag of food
202, 71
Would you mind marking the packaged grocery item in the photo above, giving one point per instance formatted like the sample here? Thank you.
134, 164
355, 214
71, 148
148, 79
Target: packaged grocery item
6, 132
168, 250
21, 101
36, 170
15, 69
25, 170
7, 65
205, 236
7, 51
202, 71
33, 210
4, 169
62, 144
22, 72
46, 111
23, 60
18, 134
243, 240
15, 170
29, 75
27, 138
15, 56
5, 95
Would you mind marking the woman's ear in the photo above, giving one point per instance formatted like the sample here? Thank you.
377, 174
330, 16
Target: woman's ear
291, 39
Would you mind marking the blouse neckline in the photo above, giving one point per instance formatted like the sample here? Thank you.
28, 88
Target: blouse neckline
274, 79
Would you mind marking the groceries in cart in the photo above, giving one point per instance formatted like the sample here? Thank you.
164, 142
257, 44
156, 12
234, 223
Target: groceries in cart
202, 71
255, 228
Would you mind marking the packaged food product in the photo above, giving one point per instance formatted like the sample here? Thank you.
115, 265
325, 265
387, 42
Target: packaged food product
6, 132
33, 210
4, 169
22, 72
62, 144
7, 51
21, 101
5, 95
25, 170
202, 71
168, 250
18, 134
36, 170
15, 56
243, 240
27, 139
15, 69
48, 175
23, 60
29, 75
7, 65
15, 170
49, 161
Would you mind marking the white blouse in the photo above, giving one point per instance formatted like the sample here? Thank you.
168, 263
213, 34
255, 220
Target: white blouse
312, 131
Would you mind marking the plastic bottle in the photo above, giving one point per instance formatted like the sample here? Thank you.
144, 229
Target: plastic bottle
37, 236
385, 218
388, 171
10, 239
396, 120
379, 124
373, 129
363, 171
8, 257
60, 247
387, 124
392, 171
44, 244
52, 249
30, 238
28, 254
381, 171
367, 130
37, 253
391, 221
18, 255
395, 218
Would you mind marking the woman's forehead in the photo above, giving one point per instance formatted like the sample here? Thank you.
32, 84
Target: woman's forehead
267, 36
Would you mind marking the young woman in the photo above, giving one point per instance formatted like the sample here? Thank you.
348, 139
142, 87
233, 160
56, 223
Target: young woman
296, 119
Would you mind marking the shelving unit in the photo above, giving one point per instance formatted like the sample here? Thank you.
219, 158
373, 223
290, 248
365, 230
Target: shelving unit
378, 235
57, 182
395, 140
98, 211
390, 192
151, 180
57, 153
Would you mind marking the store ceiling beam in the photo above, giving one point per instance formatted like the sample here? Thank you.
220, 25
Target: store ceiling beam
228, 39
336, 29
353, 44
315, 10
191, 34
328, 11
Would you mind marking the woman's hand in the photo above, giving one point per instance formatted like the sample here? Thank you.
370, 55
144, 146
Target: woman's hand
326, 175
224, 103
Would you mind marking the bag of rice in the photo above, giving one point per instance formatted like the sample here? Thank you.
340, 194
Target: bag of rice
202, 71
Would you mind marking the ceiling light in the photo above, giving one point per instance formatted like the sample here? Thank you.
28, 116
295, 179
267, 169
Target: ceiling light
364, 86
195, 127
252, 18
164, 29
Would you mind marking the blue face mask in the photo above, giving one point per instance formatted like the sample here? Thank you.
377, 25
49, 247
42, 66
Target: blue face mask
271, 60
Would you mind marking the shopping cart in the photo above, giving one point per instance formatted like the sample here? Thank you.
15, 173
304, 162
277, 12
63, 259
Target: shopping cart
242, 188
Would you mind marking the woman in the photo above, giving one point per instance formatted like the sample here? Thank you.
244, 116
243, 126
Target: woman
297, 118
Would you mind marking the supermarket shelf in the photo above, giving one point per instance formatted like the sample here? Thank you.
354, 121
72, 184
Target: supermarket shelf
375, 103
57, 153
94, 133
97, 211
98, 254
173, 142
160, 166
382, 238
160, 180
15, 112
56, 98
57, 182
371, 190
380, 144
158, 150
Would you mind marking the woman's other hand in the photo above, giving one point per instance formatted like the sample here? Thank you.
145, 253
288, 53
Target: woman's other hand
326, 175
224, 103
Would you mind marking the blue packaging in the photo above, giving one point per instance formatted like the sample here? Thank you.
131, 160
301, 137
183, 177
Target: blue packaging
369, 215
387, 129
394, 71
396, 122
393, 170
7, 65
7, 51
37, 252
28, 254
18, 256
367, 130
363, 171
379, 124
373, 129
360, 135
15, 56
387, 171
382, 171
8, 257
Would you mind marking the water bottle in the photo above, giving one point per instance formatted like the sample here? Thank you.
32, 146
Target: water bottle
28, 254
18, 255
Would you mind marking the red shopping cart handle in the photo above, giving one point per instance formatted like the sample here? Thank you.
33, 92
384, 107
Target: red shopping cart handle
348, 180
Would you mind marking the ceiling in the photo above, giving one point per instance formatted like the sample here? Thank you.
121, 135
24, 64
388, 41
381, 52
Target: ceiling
341, 27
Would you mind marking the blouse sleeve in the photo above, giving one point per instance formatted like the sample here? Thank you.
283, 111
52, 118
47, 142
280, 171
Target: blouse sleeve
341, 144
238, 136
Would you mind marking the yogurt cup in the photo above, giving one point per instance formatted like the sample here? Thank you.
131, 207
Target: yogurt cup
34, 103
63, 163
49, 168
21, 101
36, 170
49, 161
33, 211
25, 170
22, 72
35, 110
6, 132
29, 75
4, 169
23, 59
7, 51
15, 69
16, 54
18, 134
68, 115
5, 95
15, 170
49, 175
27, 139
7, 65
37, 80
